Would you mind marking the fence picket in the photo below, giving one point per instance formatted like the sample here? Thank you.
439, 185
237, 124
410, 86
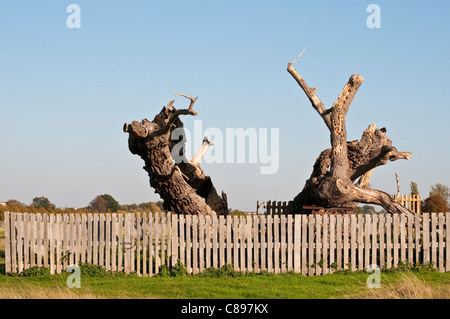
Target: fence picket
290, 247
7, 221
229, 247
332, 245
222, 232
353, 242
269, 243
339, 245
395, 238
374, 239
212, 234
276, 231
433, 240
283, 243
256, 244
311, 245
441, 243
318, 222
297, 243
304, 244
346, 243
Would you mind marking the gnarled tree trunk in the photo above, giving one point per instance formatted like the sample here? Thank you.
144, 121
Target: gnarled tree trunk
183, 186
341, 174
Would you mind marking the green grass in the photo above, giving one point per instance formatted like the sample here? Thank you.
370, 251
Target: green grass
286, 286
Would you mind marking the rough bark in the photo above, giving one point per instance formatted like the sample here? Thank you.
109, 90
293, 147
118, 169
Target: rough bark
183, 186
341, 174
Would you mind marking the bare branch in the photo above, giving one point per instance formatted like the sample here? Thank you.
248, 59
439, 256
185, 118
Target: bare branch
348, 93
397, 198
190, 98
201, 151
310, 93
298, 56
377, 197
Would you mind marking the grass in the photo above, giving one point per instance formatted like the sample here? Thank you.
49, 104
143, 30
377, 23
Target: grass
395, 284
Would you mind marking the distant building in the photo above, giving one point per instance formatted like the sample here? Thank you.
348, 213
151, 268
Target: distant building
2, 204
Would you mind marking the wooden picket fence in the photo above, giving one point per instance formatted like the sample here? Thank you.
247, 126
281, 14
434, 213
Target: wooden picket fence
306, 244
412, 202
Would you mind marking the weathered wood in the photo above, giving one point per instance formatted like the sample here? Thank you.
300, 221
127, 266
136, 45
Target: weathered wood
182, 235
201, 236
174, 235
402, 239
120, 243
8, 241
332, 183
311, 268
367, 246
283, 242
389, 246
127, 242
248, 233
311, 245
51, 237
395, 239
297, 242
222, 233
433, 239
25, 244
374, 239
46, 240
195, 241
182, 184
410, 248
339, 244
318, 246
290, 247
213, 235
276, 239
269, 226
353, 246
447, 242
256, 244
346, 243
333, 243
441, 243
59, 248
381, 231
235, 243
229, 247
304, 244
208, 241
101, 236
189, 246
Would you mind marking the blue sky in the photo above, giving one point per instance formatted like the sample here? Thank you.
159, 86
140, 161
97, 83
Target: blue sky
65, 93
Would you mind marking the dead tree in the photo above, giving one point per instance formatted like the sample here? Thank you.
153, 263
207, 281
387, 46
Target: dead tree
340, 176
182, 185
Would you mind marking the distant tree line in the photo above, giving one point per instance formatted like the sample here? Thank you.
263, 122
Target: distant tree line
100, 204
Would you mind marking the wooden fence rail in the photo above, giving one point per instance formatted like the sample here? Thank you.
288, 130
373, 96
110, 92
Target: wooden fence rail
306, 244
412, 202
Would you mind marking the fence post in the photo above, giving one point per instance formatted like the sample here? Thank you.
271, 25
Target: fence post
7, 243
127, 242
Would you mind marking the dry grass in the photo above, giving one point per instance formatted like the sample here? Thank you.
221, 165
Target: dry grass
27, 291
407, 286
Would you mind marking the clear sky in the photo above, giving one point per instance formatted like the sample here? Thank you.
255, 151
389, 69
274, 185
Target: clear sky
65, 93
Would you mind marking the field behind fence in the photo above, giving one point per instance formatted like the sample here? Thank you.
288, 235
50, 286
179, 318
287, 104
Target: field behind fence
306, 244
